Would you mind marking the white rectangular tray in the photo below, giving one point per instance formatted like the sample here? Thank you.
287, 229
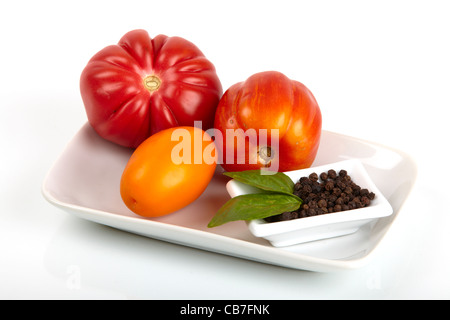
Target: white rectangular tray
85, 181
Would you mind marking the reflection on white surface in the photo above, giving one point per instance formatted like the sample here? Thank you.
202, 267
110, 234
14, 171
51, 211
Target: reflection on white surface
90, 257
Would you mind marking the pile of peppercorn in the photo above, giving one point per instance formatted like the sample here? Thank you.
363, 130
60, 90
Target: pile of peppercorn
333, 192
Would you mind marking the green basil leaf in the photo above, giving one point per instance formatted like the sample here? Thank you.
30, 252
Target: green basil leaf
255, 206
278, 182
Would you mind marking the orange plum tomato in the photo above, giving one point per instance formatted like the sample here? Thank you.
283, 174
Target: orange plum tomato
168, 171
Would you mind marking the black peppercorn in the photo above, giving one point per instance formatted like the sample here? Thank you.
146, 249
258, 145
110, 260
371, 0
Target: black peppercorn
332, 174
341, 185
314, 177
365, 200
342, 173
322, 203
329, 185
337, 192
307, 189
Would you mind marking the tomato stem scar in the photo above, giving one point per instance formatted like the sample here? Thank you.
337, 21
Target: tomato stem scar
265, 155
152, 83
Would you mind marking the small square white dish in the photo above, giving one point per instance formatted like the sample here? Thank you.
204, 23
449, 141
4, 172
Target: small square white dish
301, 230
84, 181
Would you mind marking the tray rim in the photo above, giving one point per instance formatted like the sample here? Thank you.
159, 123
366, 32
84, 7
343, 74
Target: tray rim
289, 259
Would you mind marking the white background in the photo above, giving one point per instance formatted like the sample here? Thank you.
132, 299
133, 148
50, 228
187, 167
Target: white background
380, 71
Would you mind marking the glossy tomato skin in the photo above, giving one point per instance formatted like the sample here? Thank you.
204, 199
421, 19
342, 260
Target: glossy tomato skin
155, 184
142, 85
269, 100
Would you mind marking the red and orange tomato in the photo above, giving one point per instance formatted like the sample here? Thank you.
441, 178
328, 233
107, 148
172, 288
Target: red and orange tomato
268, 102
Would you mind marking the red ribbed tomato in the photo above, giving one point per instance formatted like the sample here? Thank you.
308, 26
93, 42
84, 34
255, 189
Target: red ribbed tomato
270, 104
141, 86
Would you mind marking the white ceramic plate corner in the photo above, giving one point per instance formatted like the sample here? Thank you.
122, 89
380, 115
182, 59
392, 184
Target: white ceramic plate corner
84, 181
